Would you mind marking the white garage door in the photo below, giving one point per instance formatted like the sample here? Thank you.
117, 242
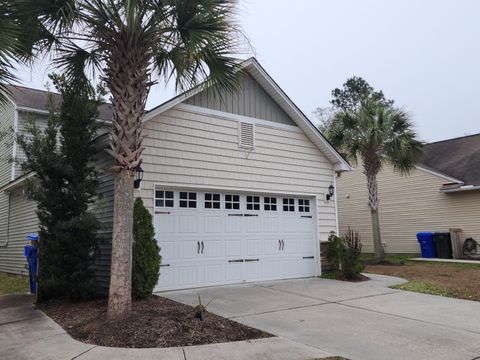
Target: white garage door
211, 238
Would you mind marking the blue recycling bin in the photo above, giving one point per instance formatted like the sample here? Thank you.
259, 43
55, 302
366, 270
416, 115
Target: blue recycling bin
427, 245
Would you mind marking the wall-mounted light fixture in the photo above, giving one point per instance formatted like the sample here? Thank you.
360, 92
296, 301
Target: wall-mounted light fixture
138, 177
331, 192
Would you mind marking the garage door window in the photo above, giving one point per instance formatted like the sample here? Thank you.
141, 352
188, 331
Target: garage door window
212, 201
232, 202
269, 203
164, 199
303, 205
188, 199
288, 204
253, 202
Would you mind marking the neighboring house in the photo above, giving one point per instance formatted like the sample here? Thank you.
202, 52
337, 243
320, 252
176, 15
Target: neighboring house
236, 184
441, 193
17, 213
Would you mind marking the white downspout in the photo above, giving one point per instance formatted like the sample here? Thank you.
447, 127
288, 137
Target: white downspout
335, 200
5, 244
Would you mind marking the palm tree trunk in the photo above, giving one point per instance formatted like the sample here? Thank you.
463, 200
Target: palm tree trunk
371, 169
119, 299
127, 77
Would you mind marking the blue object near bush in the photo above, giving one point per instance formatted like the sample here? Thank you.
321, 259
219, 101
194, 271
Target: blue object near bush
427, 246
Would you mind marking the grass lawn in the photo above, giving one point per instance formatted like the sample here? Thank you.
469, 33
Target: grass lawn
11, 284
460, 281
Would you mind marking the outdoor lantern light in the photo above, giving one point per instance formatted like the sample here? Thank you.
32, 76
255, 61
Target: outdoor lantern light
331, 191
138, 177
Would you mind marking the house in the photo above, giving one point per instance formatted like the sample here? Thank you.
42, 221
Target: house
236, 183
440, 194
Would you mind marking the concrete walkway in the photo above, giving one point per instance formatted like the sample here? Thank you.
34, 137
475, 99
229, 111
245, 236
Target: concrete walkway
360, 321
28, 334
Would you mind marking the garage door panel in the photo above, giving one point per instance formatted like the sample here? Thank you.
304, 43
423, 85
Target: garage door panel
214, 272
234, 271
167, 250
271, 224
187, 249
213, 248
273, 268
254, 247
233, 224
213, 224
253, 223
187, 274
188, 224
164, 224
233, 247
271, 246
253, 270
289, 224
167, 276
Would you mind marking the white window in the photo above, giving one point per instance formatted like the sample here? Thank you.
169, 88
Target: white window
212, 201
188, 199
303, 205
163, 198
288, 204
232, 202
246, 135
270, 203
253, 202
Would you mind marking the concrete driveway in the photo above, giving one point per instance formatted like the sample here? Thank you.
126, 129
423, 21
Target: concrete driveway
360, 321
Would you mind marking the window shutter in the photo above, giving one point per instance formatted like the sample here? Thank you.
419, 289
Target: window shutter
246, 135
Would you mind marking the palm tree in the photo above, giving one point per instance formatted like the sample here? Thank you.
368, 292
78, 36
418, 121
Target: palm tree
132, 44
377, 135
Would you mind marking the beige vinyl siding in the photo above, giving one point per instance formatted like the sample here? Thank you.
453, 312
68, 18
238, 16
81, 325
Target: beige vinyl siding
408, 204
7, 124
250, 100
186, 148
23, 119
23, 220
103, 210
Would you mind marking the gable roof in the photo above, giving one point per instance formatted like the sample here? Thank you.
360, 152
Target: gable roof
28, 99
254, 69
458, 158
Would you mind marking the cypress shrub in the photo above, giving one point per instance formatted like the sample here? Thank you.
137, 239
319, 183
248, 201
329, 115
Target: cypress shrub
61, 156
146, 253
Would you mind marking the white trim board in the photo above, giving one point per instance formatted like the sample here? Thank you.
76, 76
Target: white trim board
443, 176
234, 117
14, 142
180, 186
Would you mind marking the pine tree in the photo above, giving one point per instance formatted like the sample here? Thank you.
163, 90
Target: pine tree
64, 186
146, 253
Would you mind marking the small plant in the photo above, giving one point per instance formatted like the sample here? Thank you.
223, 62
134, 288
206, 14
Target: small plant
352, 264
200, 308
343, 254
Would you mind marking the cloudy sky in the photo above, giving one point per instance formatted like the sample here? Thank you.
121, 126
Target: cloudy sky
423, 54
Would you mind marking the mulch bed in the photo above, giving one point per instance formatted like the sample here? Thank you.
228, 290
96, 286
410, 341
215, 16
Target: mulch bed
462, 282
153, 322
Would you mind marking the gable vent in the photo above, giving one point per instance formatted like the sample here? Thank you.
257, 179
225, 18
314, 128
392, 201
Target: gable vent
246, 135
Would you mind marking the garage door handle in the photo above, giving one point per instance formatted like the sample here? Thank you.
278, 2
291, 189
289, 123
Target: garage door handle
235, 214
283, 245
198, 247
250, 214
203, 246
250, 260
164, 265
279, 245
239, 260
308, 257
307, 216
